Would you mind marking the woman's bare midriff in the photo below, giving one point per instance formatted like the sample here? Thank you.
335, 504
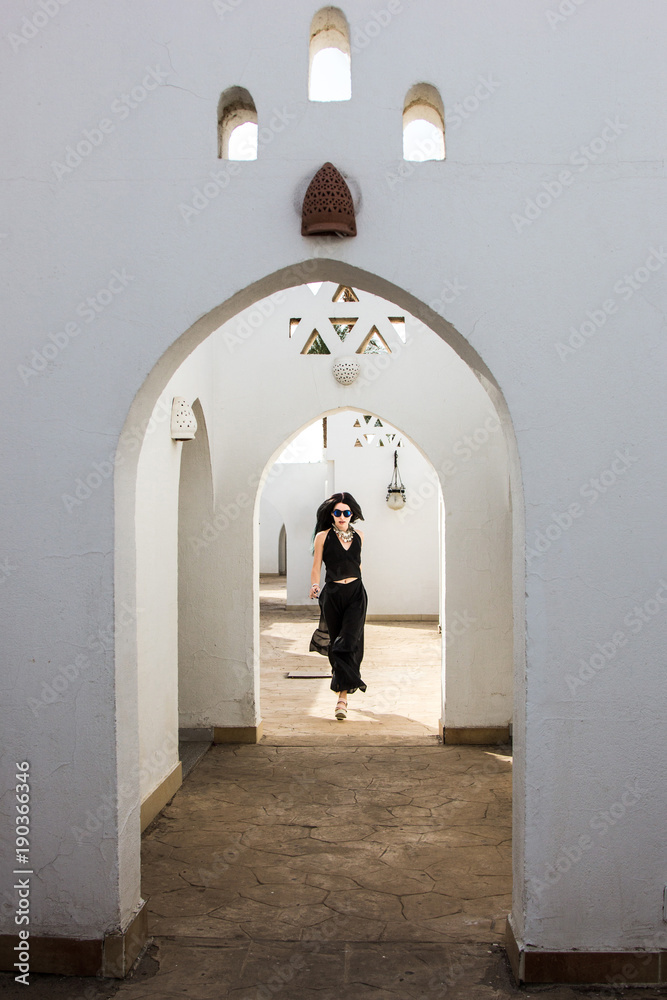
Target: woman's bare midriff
350, 579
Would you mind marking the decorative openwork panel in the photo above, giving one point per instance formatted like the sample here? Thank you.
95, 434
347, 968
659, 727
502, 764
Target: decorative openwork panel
328, 205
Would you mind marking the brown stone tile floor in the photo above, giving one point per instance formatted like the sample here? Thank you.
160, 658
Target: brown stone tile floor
359, 860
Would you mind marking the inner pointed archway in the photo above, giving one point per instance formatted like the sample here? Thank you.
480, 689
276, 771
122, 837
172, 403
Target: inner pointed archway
403, 554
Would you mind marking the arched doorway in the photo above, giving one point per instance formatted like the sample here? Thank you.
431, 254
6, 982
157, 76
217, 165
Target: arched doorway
425, 403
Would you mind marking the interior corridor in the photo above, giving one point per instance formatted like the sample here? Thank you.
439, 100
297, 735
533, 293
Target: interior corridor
335, 858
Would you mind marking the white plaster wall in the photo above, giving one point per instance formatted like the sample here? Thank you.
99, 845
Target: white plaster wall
401, 549
270, 523
157, 592
296, 489
444, 233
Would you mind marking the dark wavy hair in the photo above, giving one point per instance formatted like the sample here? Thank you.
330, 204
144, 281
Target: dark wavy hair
324, 511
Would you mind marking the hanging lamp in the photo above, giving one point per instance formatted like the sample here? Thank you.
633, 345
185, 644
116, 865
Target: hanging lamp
396, 490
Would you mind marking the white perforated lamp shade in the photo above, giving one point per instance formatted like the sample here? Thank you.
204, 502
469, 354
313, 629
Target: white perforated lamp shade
183, 420
345, 370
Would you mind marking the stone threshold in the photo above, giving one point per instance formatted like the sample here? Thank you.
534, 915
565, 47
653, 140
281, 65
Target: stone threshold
238, 734
111, 956
589, 968
476, 735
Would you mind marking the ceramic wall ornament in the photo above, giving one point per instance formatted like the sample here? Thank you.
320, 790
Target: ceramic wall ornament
345, 370
328, 205
183, 420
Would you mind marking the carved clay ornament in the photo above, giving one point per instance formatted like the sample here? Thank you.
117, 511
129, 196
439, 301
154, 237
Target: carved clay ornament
328, 205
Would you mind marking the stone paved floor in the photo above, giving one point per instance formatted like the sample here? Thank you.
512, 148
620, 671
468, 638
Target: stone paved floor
358, 860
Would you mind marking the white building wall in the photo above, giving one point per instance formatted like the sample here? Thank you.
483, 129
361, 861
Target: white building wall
270, 523
296, 489
524, 234
401, 549
157, 591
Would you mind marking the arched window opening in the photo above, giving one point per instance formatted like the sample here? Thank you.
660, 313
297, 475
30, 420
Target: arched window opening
237, 125
329, 74
423, 124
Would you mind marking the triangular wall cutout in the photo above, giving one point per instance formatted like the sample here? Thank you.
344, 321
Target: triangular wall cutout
380, 443
358, 444
368, 418
344, 294
293, 323
398, 323
374, 343
356, 424
315, 345
343, 326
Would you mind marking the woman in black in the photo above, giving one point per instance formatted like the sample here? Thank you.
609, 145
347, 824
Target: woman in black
343, 598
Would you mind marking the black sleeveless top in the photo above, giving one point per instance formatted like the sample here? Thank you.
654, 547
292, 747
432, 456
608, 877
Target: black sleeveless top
341, 564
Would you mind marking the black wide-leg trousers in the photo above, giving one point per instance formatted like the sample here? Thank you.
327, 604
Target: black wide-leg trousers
343, 606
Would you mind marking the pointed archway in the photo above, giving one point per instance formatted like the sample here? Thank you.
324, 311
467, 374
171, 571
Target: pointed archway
236, 494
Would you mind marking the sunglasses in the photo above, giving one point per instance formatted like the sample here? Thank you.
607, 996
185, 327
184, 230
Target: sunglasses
342, 513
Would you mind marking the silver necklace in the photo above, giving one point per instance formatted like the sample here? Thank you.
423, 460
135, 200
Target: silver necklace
345, 536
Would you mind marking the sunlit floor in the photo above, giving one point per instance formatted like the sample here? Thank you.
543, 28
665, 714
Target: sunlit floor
401, 668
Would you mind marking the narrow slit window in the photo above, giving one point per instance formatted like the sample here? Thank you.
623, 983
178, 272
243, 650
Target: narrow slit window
329, 72
423, 124
237, 125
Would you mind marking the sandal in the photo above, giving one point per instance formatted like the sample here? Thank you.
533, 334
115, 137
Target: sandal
341, 709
